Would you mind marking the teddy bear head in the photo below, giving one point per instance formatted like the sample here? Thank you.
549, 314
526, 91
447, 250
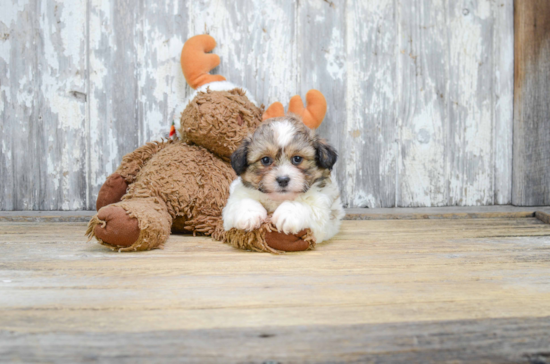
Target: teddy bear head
219, 114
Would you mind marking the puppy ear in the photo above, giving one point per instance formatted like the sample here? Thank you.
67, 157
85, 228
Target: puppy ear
325, 155
239, 160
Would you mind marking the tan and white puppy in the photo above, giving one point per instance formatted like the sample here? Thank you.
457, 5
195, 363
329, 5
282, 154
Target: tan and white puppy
285, 169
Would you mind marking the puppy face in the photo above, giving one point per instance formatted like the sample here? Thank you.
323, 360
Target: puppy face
283, 158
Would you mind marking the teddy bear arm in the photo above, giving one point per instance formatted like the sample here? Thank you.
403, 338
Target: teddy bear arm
133, 162
111, 191
117, 183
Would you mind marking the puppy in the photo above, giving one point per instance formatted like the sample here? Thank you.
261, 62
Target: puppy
284, 169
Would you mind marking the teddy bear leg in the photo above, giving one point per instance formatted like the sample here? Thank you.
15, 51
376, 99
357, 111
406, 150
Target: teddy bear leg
112, 191
287, 242
268, 239
132, 225
113, 226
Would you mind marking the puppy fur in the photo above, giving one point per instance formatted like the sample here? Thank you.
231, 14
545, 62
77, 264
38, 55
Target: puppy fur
285, 169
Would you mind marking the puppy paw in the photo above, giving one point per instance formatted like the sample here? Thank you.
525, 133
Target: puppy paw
291, 218
251, 218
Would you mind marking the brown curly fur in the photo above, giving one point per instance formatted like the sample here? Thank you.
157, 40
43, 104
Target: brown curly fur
225, 118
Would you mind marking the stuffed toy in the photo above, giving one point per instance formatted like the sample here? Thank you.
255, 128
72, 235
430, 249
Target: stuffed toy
182, 185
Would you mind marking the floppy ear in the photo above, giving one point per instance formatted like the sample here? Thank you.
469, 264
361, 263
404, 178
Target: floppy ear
325, 155
238, 158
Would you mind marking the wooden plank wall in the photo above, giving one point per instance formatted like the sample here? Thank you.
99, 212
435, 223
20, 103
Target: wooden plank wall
419, 91
531, 183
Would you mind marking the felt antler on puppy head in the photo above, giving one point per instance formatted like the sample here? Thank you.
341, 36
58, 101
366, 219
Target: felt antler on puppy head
196, 62
312, 115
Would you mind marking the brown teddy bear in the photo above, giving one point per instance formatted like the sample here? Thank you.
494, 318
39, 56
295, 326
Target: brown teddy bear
183, 185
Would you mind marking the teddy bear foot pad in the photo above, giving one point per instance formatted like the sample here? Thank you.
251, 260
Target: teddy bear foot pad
115, 227
268, 239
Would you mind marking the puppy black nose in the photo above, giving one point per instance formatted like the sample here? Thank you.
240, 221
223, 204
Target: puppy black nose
283, 181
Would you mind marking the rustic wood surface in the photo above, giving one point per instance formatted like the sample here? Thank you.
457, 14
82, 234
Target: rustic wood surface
468, 290
472, 212
531, 184
419, 92
396, 213
503, 341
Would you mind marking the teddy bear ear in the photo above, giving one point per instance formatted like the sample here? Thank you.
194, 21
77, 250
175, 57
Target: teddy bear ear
316, 109
275, 110
196, 62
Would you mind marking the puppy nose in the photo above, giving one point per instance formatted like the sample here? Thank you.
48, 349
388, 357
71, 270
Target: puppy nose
283, 181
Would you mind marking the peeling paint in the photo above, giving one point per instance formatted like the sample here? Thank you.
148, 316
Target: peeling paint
335, 56
12, 11
419, 93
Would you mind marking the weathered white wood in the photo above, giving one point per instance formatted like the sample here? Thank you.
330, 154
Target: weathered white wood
113, 88
455, 130
161, 32
16, 106
503, 71
419, 92
421, 87
470, 103
43, 78
62, 114
370, 146
321, 34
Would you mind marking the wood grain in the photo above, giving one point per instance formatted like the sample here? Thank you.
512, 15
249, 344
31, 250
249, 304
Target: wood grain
448, 121
469, 290
419, 92
407, 213
370, 139
43, 105
531, 108
114, 117
513, 340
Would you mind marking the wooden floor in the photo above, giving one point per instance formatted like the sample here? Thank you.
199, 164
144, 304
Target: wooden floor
449, 290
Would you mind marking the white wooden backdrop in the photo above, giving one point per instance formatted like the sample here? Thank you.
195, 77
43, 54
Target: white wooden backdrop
420, 92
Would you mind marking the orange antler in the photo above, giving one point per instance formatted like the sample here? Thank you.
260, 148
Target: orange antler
276, 109
316, 109
196, 63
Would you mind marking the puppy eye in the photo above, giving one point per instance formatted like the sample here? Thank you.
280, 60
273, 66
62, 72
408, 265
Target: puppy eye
266, 161
297, 160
